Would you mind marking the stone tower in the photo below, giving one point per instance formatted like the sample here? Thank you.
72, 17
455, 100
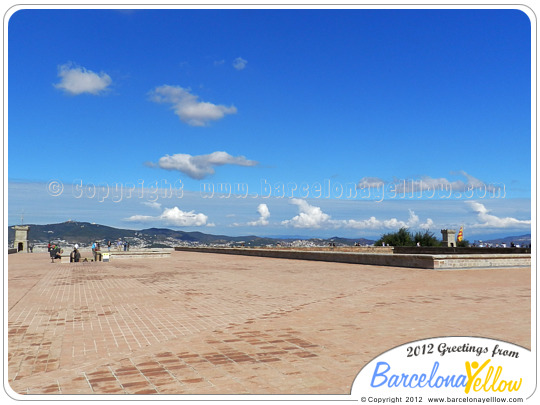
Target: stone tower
21, 238
448, 237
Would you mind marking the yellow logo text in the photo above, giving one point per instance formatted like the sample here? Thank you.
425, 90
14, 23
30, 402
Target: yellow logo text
489, 382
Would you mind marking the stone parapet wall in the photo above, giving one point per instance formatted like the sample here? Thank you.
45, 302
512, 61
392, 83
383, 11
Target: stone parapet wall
481, 261
356, 249
432, 250
117, 255
422, 261
143, 254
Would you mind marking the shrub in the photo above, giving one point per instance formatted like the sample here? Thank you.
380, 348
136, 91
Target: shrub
426, 239
399, 238
403, 237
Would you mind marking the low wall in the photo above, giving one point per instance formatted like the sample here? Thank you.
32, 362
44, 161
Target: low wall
143, 254
481, 261
356, 249
422, 261
114, 255
12, 250
429, 250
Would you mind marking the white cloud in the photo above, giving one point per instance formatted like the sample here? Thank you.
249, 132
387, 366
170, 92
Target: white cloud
200, 166
366, 182
393, 223
77, 80
188, 107
239, 63
141, 218
309, 216
492, 221
313, 217
473, 181
173, 217
152, 204
428, 225
431, 187
264, 213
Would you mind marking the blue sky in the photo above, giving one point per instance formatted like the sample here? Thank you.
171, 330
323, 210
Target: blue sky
271, 100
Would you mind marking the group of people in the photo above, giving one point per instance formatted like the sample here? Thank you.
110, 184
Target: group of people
75, 256
119, 245
122, 245
55, 252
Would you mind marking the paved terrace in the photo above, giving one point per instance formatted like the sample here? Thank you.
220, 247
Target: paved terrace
201, 323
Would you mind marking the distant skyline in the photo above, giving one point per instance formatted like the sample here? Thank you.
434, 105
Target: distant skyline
272, 122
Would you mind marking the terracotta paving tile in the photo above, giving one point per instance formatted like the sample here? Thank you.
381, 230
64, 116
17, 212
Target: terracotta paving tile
173, 389
146, 391
126, 371
102, 379
200, 323
135, 384
177, 367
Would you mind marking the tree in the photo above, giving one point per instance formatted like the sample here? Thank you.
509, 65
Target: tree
426, 239
403, 237
399, 238
463, 243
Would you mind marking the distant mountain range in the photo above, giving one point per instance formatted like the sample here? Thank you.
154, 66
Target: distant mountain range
85, 233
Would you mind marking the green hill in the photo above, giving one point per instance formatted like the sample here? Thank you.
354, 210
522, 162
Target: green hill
85, 233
